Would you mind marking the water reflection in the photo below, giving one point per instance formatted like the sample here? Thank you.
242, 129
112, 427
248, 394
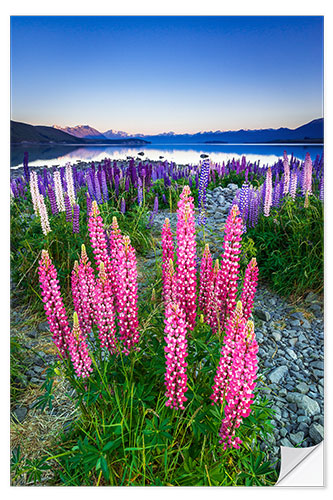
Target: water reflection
188, 153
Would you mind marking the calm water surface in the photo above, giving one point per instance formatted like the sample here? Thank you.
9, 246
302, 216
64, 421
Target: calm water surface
50, 155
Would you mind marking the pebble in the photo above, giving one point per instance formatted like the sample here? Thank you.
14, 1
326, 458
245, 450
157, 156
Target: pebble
20, 413
317, 433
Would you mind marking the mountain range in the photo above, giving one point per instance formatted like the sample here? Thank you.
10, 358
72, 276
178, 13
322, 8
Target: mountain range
38, 134
312, 132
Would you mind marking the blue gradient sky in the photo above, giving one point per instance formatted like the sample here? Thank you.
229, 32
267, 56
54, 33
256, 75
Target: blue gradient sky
156, 74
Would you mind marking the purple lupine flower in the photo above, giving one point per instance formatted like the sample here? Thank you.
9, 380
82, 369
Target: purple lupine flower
122, 206
68, 207
53, 201
104, 187
90, 187
164, 198
14, 189
203, 183
127, 184
89, 204
321, 189
116, 185
76, 219
140, 195
98, 190
244, 202
26, 167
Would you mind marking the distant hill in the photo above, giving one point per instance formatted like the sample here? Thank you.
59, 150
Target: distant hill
36, 134
312, 131
116, 134
22, 132
82, 131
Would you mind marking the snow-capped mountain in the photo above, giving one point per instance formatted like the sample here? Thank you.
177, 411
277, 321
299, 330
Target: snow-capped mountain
82, 131
116, 134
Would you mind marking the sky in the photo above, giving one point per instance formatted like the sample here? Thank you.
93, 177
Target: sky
158, 74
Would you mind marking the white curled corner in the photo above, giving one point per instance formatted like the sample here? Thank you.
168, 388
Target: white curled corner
302, 466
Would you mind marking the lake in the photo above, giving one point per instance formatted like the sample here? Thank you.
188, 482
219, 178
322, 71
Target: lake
50, 154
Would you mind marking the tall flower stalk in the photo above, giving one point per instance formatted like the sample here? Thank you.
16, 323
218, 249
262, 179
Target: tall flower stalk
127, 296
175, 354
53, 304
186, 257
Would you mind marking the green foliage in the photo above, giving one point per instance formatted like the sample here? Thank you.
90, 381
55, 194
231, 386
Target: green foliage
125, 435
290, 246
28, 241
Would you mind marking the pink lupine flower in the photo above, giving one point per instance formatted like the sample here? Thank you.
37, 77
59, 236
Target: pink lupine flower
104, 311
234, 330
98, 239
167, 255
226, 283
170, 284
206, 271
186, 257
212, 308
293, 184
239, 395
307, 175
175, 354
249, 287
286, 175
127, 296
53, 303
78, 351
59, 192
83, 287
268, 193
115, 243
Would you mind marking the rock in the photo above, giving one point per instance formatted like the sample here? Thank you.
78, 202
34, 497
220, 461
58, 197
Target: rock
286, 442
306, 324
20, 413
38, 369
304, 420
297, 438
276, 335
311, 297
203, 155
43, 327
221, 199
318, 364
277, 374
310, 406
291, 353
33, 334
295, 322
35, 380
303, 388
233, 187
317, 432
261, 314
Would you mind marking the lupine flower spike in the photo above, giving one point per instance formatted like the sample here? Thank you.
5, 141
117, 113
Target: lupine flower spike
167, 255
53, 303
249, 287
226, 283
127, 296
78, 351
175, 354
186, 257
105, 315
206, 271
268, 193
239, 396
